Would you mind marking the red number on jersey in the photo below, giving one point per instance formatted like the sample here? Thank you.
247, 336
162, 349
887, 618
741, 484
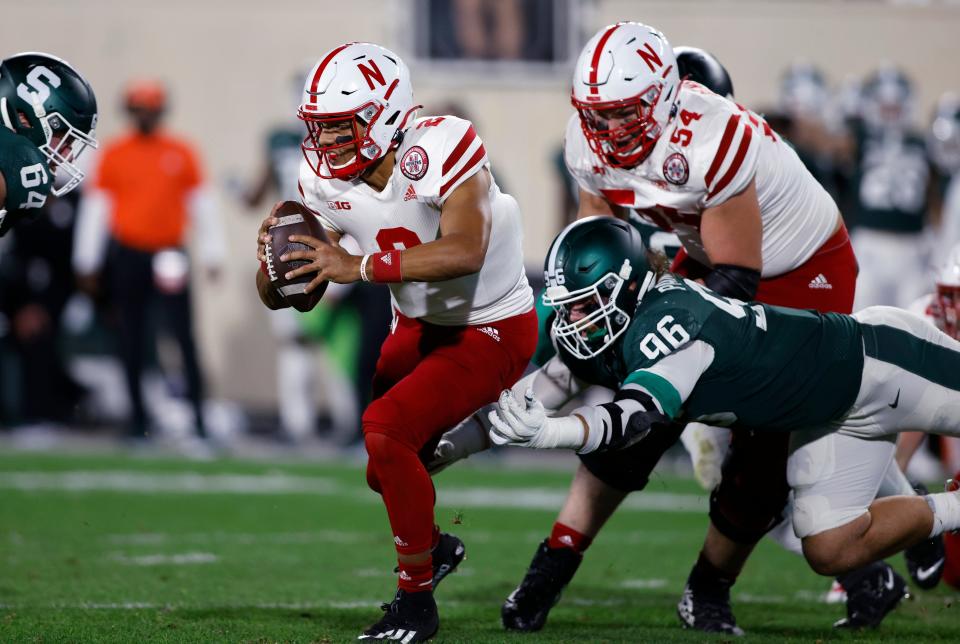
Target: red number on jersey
430, 122
682, 135
758, 122
397, 239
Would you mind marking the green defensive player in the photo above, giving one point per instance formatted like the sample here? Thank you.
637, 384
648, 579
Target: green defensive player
48, 116
845, 385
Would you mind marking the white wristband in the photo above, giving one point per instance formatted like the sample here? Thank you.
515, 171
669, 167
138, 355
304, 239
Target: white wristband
363, 268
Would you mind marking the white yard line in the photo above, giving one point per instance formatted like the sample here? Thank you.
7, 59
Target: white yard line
133, 482
165, 559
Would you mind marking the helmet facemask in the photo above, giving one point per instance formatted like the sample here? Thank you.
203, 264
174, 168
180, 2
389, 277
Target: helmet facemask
628, 144
65, 144
323, 159
602, 319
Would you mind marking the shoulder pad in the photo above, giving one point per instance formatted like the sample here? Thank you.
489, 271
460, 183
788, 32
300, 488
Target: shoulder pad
439, 153
724, 143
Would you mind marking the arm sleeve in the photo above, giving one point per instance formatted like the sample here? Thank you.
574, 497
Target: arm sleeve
92, 231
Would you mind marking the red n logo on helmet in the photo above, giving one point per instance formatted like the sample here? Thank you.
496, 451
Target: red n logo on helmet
372, 73
649, 57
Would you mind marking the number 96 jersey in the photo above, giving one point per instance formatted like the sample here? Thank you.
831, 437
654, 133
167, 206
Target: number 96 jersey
436, 156
26, 175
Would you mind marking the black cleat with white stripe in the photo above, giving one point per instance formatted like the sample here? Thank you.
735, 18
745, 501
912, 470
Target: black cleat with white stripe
926, 559
872, 592
409, 618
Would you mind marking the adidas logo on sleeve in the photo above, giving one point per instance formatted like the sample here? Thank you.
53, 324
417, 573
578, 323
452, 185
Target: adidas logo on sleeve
820, 282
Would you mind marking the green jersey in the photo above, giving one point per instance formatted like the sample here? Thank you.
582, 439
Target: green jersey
725, 362
26, 175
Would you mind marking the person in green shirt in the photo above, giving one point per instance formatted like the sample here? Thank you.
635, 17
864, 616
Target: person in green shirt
845, 385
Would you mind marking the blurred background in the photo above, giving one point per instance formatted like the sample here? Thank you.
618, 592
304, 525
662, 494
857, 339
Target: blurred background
230, 72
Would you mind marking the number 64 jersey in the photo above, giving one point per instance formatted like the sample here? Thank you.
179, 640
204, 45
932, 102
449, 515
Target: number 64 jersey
436, 156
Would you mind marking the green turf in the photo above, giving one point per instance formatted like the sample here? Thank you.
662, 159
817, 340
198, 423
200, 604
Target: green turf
311, 565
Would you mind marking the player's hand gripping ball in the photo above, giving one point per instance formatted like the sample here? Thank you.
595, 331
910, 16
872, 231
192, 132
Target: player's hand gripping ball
292, 218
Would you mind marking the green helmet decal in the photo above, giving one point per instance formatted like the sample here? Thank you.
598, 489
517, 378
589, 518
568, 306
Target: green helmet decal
47, 101
596, 271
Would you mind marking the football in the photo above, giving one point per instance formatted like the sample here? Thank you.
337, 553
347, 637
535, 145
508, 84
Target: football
295, 219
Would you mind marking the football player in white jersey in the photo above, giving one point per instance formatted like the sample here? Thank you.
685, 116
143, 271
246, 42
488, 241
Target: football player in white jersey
418, 197
755, 225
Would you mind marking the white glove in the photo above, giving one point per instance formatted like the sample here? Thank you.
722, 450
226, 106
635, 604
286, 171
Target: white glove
517, 423
469, 437
526, 424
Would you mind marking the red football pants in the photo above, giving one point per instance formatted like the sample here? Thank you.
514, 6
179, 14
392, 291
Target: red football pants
753, 490
428, 379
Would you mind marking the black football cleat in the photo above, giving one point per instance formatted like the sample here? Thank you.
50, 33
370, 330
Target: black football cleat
708, 611
447, 555
872, 592
409, 618
551, 569
925, 560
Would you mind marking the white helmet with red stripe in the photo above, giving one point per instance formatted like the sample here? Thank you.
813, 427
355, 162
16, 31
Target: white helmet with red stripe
946, 307
625, 87
356, 101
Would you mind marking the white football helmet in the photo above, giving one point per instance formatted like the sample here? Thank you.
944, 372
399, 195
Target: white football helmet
625, 88
946, 307
360, 88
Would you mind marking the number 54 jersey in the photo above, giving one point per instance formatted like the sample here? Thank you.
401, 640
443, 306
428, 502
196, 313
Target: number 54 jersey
708, 153
436, 156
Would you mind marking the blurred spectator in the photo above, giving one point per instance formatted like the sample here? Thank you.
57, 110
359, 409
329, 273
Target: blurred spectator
36, 281
943, 141
147, 188
492, 29
893, 182
302, 358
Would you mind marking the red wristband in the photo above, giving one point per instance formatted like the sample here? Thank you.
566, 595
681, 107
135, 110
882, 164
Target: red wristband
386, 266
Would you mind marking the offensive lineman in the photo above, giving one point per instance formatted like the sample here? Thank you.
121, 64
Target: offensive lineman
49, 116
418, 197
754, 225
842, 384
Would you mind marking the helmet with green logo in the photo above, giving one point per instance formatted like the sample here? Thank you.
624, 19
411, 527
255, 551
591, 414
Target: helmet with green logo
596, 271
46, 100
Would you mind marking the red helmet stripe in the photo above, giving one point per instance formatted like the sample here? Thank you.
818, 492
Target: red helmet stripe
471, 164
458, 151
323, 66
595, 62
737, 162
725, 142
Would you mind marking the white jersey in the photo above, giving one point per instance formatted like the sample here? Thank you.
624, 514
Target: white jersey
437, 155
707, 154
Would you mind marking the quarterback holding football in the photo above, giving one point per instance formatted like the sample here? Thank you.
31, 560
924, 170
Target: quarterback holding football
418, 197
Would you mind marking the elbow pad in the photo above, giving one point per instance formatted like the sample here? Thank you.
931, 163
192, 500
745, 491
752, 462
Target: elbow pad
733, 281
621, 423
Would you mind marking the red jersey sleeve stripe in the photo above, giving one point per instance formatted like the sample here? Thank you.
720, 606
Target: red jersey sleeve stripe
737, 162
471, 164
725, 142
458, 151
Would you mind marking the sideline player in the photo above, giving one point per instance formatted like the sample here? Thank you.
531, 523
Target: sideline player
418, 197
843, 385
754, 224
49, 117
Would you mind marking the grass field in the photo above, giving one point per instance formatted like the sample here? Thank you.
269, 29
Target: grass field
119, 549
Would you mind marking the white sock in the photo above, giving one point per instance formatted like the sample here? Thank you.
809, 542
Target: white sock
946, 512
